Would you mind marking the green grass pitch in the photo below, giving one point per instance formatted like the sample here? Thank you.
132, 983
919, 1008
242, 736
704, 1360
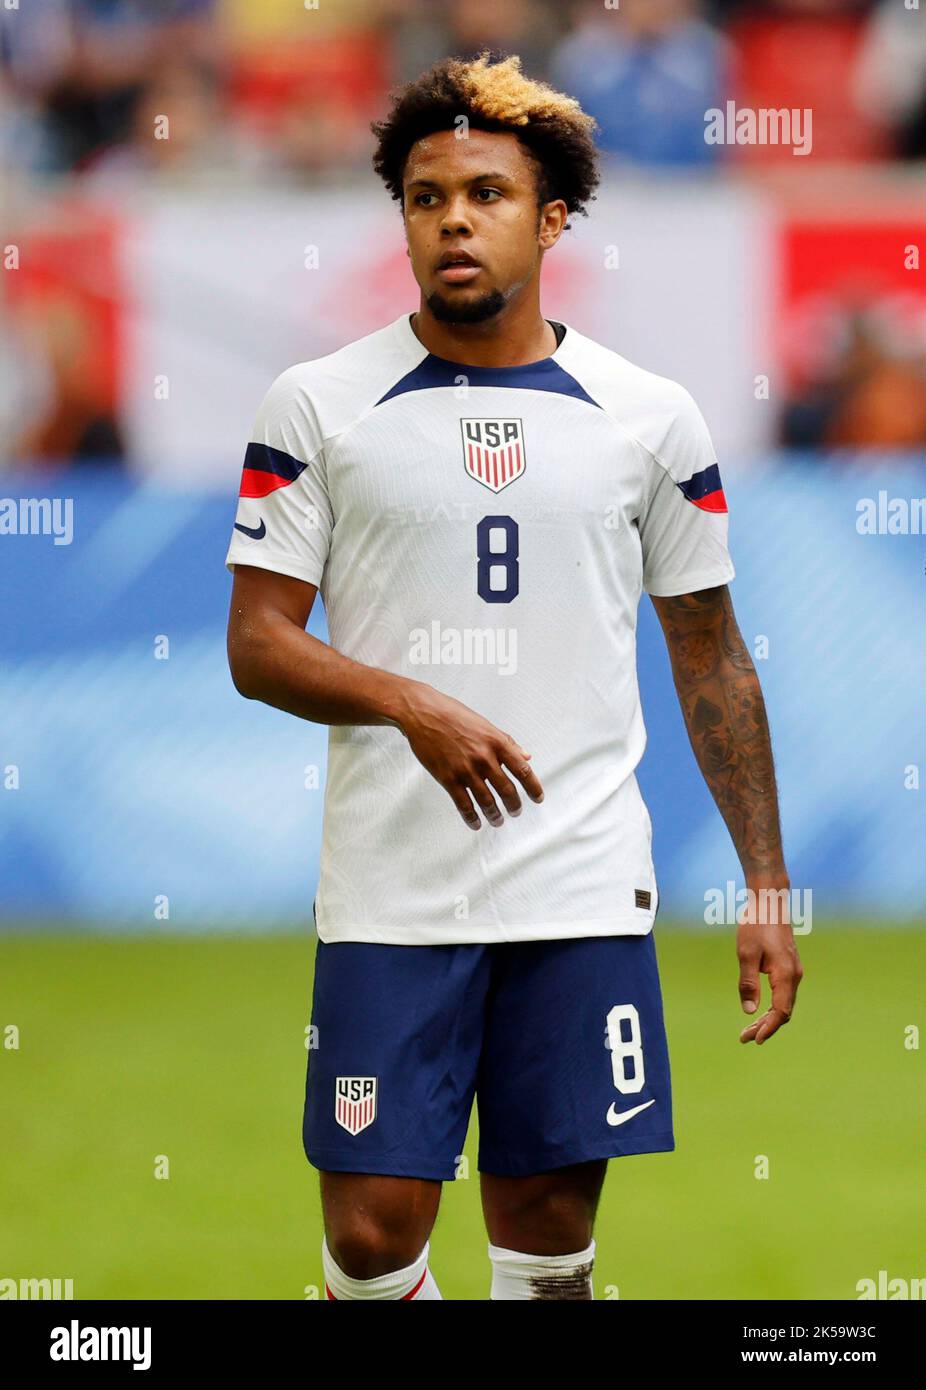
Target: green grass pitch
194, 1048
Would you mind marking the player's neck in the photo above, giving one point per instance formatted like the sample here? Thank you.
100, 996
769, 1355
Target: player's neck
505, 341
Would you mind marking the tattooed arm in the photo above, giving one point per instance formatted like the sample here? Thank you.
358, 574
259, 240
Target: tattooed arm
721, 699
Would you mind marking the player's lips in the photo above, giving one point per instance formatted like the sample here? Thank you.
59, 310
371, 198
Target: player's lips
457, 267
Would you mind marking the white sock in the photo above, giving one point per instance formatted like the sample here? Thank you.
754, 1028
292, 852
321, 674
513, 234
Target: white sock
415, 1283
517, 1276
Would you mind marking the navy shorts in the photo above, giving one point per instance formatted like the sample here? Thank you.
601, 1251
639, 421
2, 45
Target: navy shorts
562, 1043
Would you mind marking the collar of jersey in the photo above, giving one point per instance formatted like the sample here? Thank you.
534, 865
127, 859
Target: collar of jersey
420, 352
427, 371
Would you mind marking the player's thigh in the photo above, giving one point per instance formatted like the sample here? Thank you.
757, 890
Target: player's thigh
575, 1065
395, 1047
375, 1223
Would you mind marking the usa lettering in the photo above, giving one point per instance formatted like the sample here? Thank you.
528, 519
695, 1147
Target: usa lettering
492, 433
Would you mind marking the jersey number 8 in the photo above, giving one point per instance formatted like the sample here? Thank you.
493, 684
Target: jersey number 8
505, 559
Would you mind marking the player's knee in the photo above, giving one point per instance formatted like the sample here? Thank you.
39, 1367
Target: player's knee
546, 1221
364, 1247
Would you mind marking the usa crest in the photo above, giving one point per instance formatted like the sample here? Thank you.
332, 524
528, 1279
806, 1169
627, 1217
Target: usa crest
493, 451
354, 1102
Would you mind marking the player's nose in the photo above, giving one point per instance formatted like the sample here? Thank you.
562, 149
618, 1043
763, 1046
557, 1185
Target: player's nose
456, 219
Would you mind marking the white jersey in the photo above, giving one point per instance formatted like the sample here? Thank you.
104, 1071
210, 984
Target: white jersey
489, 531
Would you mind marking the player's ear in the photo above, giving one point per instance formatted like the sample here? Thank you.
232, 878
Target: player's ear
552, 223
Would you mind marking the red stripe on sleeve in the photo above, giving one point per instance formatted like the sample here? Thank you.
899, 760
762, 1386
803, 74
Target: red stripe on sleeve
256, 483
711, 502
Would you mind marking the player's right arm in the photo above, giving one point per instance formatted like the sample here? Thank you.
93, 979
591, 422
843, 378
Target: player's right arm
278, 554
272, 658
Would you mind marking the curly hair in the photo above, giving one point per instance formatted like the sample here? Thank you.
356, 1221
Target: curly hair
494, 96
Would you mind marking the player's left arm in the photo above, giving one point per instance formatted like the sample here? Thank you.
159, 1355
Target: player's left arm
724, 711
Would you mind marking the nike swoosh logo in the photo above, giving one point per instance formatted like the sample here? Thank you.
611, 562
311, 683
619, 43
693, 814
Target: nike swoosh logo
256, 533
620, 1117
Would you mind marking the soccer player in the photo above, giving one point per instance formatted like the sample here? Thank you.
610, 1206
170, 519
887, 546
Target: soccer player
481, 495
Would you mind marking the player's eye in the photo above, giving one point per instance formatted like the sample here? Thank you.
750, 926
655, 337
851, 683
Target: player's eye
419, 197
492, 192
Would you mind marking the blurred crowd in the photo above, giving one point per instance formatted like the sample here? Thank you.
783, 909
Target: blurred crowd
284, 90
286, 86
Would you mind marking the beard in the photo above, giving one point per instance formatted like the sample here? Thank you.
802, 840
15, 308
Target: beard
484, 306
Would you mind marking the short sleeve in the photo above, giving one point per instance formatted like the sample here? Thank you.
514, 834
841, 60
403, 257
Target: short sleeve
284, 519
683, 522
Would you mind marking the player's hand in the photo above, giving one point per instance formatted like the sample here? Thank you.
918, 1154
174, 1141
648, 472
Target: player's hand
765, 945
468, 756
